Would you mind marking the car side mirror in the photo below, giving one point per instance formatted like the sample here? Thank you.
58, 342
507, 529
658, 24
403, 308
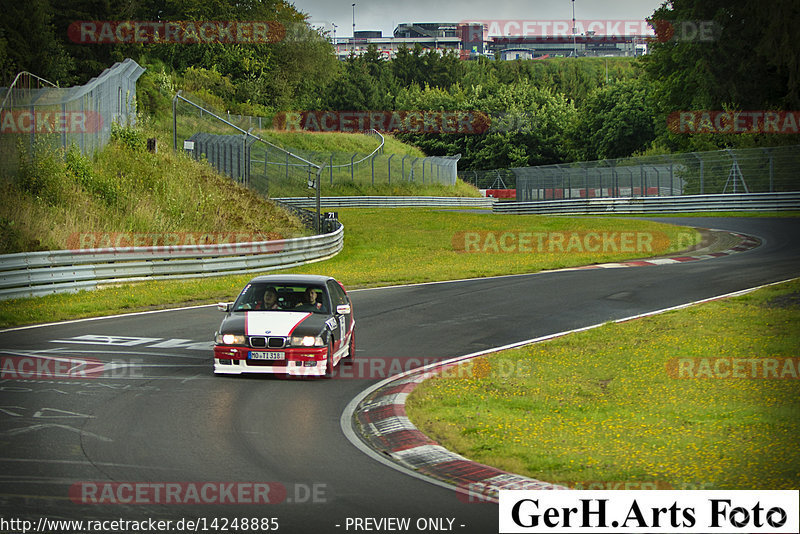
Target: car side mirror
343, 309
224, 306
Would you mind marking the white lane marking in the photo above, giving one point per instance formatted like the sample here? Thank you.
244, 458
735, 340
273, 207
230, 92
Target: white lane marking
81, 462
34, 428
68, 350
345, 421
59, 414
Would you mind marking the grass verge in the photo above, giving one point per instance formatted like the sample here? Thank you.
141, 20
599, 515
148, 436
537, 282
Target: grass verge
635, 402
382, 247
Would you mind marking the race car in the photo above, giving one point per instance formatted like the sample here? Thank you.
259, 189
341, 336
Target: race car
296, 325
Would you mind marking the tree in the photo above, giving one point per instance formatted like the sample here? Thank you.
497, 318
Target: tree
614, 122
32, 41
750, 62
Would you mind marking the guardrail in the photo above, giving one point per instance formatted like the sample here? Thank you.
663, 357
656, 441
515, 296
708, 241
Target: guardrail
391, 202
60, 271
674, 204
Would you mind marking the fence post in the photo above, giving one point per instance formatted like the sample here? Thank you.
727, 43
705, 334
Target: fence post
372, 165
769, 155
642, 190
586, 181
287, 166
331, 164
352, 168
390, 168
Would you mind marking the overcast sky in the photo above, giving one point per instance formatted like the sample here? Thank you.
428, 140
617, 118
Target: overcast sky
385, 15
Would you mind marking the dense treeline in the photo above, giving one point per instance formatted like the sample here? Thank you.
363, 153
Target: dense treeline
549, 111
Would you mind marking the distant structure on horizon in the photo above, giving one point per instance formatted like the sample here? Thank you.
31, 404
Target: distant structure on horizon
472, 40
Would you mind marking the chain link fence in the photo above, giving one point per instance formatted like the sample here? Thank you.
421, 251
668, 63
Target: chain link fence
35, 112
752, 170
241, 147
493, 179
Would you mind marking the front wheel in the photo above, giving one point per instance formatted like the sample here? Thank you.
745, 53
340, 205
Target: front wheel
329, 361
351, 349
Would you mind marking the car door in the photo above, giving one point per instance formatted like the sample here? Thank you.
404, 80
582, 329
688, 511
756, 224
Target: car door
344, 321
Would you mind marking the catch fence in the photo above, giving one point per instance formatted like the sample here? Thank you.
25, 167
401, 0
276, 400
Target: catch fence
34, 112
249, 151
753, 170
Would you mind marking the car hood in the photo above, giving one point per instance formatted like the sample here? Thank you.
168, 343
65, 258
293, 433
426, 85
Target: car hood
273, 323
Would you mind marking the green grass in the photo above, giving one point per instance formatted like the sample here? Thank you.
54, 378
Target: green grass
382, 247
601, 406
56, 198
337, 142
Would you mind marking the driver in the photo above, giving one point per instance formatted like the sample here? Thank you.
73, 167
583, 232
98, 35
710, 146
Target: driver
310, 299
270, 300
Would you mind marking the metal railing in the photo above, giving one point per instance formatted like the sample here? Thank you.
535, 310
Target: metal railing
676, 204
391, 202
277, 171
61, 271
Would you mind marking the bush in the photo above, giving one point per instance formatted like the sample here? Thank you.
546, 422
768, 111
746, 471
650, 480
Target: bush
128, 136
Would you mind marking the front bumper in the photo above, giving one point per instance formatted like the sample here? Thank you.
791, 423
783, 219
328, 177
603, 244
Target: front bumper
300, 361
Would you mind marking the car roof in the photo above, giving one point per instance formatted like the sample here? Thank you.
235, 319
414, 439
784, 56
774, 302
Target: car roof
291, 279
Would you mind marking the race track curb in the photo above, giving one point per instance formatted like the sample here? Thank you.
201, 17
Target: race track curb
746, 242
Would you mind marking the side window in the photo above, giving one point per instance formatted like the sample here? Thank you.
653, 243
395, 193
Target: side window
337, 295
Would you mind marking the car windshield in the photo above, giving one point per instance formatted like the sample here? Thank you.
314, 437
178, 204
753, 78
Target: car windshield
282, 297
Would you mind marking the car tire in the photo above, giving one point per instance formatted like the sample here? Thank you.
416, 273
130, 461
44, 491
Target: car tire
329, 361
351, 349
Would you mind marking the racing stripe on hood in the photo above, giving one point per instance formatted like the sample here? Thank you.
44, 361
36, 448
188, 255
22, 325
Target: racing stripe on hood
272, 323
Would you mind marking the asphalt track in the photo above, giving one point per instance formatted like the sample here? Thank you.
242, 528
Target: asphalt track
157, 415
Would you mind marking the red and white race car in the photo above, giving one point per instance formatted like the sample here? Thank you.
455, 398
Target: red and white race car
299, 325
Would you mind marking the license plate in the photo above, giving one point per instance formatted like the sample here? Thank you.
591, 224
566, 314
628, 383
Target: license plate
265, 355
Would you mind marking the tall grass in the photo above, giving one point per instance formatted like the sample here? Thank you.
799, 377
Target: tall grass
125, 188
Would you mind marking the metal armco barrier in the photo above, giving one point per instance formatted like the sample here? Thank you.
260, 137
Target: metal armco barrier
61, 271
391, 202
686, 203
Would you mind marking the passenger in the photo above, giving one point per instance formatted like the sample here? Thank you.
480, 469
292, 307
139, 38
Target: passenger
270, 300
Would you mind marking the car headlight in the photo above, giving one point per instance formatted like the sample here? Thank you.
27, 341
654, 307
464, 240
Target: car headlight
230, 339
307, 341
